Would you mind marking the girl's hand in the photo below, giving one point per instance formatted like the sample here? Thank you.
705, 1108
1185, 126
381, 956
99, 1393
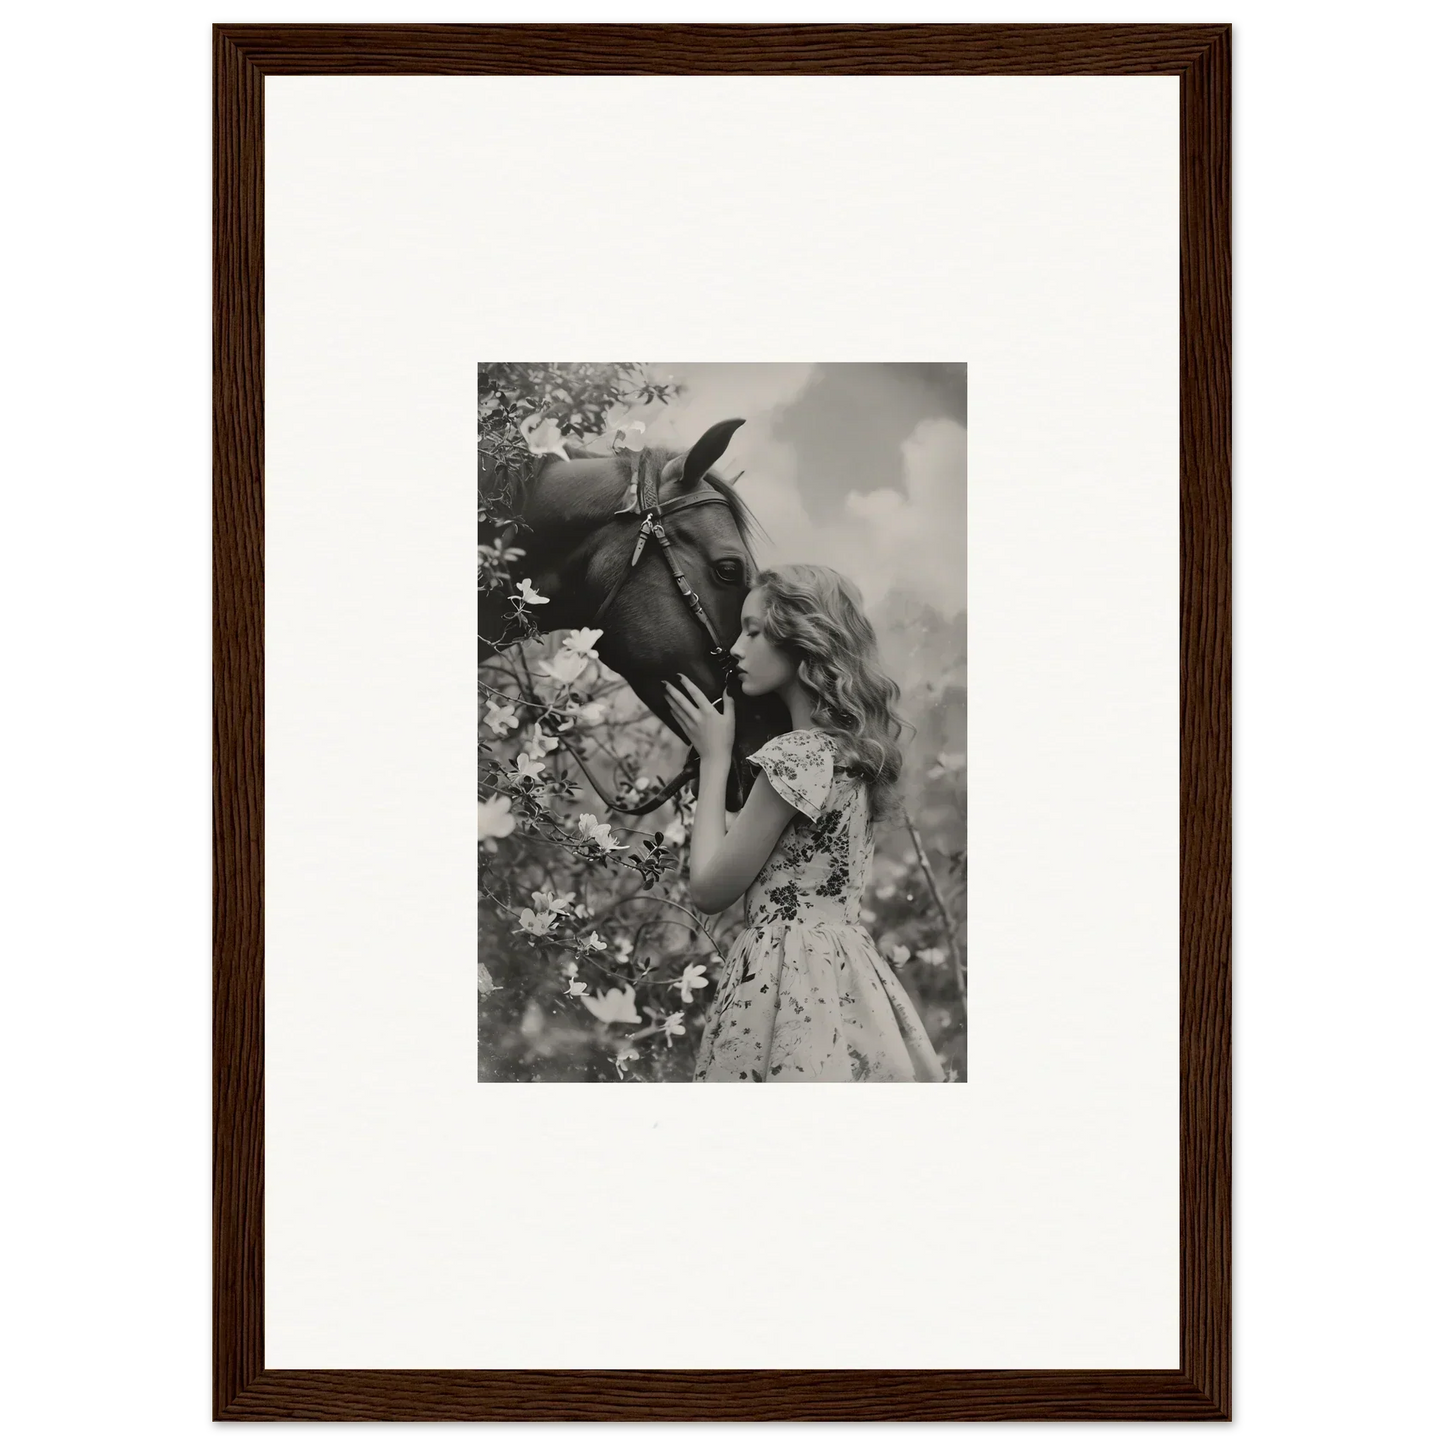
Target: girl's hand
707, 729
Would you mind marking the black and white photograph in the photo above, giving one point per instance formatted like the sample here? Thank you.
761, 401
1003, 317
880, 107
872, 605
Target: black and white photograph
722, 722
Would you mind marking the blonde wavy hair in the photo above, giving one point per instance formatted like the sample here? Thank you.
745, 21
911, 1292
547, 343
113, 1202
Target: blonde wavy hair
814, 616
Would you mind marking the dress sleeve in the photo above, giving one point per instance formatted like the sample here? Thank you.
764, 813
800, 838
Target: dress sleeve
799, 765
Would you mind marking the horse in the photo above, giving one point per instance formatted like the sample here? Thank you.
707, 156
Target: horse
655, 549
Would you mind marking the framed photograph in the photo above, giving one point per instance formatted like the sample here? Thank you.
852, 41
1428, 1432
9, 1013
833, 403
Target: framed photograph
849, 623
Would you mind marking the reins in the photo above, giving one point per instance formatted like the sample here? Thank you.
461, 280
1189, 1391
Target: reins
642, 498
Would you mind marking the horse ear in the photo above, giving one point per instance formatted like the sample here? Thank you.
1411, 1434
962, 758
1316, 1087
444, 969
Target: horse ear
706, 450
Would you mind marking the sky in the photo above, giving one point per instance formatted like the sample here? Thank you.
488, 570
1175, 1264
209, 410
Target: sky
859, 466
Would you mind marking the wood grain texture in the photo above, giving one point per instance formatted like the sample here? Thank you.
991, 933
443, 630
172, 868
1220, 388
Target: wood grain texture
238, 632
721, 49
1200, 1389
1204, 734
722, 1395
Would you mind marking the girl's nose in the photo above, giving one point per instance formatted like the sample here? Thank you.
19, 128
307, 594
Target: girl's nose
736, 649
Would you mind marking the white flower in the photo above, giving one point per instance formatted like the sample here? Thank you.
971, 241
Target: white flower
673, 1026
624, 949
899, 953
542, 743
548, 902
583, 641
501, 717
528, 769
545, 437
931, 955
629, 437
625, 1055
593, 714
485, 982
539, 925
494, 818
693, 976
593, 943
498, 555
566, 667
602, 836
576, 988
616, 1006
675, 833
527, 593
598, 833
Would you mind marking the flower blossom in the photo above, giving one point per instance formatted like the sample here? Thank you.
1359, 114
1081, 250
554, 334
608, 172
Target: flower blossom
625, 1055
494, 818
593, 943
548, 902
501, 718
616, 1006
528, 769
527, 593
673, 1027
693, 976
629, 437
545, 438
496, 555
583, 641
624, 949
899, 953
541, 743
598, 833
565, 668
593, 714
931, 955
675, 833
576, 989
539, 925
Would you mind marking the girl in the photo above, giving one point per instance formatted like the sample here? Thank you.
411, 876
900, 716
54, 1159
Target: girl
804, 995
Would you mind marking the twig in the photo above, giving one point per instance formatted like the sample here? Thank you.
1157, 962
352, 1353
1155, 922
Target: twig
958, 965
667, 902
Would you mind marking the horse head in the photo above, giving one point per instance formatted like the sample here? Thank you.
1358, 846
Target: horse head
589, 552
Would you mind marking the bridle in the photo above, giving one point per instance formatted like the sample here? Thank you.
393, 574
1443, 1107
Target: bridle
642, 498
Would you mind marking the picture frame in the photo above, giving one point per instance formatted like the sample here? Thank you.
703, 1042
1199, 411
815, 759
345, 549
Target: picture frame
243, 1389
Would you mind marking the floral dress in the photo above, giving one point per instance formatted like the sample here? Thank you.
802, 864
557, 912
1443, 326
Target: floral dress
804, 996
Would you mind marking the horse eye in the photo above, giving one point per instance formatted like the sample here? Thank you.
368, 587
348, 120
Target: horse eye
729, 570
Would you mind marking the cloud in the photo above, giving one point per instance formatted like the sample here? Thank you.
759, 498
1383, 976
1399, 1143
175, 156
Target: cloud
759, 393
912, 540
915, 540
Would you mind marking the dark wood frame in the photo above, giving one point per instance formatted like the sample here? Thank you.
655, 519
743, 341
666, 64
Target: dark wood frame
1199, 55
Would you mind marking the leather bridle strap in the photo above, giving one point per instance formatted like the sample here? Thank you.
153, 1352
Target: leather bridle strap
642, 497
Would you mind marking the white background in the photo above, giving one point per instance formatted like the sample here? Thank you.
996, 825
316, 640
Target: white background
1025, 1220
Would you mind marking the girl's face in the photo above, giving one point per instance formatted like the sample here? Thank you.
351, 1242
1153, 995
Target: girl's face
762, 668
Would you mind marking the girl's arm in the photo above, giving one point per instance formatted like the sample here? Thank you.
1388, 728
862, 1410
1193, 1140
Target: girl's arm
723, 861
